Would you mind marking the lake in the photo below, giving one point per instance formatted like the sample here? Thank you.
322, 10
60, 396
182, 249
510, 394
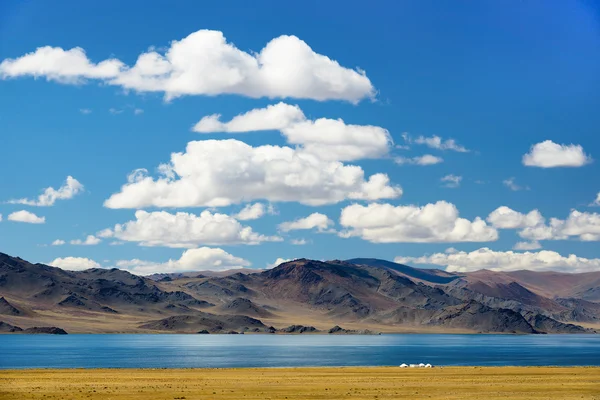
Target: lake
221, 351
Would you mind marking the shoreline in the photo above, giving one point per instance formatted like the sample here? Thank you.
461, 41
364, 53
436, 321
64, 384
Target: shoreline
306, 367
305, 334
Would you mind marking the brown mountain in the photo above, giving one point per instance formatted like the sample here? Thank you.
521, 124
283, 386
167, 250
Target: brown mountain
246, 307
550, 284
359, 294
8, 309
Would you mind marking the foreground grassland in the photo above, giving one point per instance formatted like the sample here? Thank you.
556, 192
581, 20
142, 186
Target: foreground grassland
304, 383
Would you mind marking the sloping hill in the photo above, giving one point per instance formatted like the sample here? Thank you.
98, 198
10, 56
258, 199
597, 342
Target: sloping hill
242, 306
106, 290
363, 294
8, 309
435, 276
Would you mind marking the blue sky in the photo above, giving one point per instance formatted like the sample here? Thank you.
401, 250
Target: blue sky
496, 78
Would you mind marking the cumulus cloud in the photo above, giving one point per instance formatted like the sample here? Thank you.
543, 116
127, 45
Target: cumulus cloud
314, 221
254, 211
27, 217
511, 183
273, 117
437, 222
278, 262
424, 160
90, 240
596, 202
299, 242
201, 259
506, 218
217, 173
533, 226
485, 258
68, 190
204, 63
582, 225
451, 181
533, 245
329, 139
74, 263
548, 154
185, 230
435, 142
64, 66
58, 242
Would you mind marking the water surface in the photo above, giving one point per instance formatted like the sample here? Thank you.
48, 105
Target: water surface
222, 351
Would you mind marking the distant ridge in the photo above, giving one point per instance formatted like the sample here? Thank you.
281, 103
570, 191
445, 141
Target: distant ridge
429, 275
363, 295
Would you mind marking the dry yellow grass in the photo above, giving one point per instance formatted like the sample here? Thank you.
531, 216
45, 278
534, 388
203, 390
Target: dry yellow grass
530, 383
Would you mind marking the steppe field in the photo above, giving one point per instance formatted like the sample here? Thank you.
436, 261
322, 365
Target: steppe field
303, 383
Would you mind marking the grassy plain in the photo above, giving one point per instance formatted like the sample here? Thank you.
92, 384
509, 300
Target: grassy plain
447, 383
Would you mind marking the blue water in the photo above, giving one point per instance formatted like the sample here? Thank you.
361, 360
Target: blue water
219, 351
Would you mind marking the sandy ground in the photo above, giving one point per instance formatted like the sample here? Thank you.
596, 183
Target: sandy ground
304, 383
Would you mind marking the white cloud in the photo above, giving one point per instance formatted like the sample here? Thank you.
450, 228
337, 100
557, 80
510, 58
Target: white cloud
201, 259
435, 142
534, 245
68, 190
203, 63
115, 111
315, 220
437, 222
424, 160
273, 117
85, 111
65, 66
105, 233
299, 242
585, 226
332, 139
0, 217
452, 181
278, 262
27, 217
582, 225
329, 139
74, 263
253, 211
58, 242
596, 202
548, 154
506, 218
182, 229
90, 240
138, 111
512, 185
485, 258
216, 173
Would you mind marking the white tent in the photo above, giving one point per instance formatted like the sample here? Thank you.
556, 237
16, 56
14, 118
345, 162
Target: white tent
403, 365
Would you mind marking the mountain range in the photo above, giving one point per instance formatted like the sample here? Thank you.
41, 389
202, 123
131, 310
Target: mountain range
301, 296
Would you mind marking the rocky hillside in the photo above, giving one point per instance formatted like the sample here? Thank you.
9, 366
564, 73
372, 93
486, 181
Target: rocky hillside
369, 295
